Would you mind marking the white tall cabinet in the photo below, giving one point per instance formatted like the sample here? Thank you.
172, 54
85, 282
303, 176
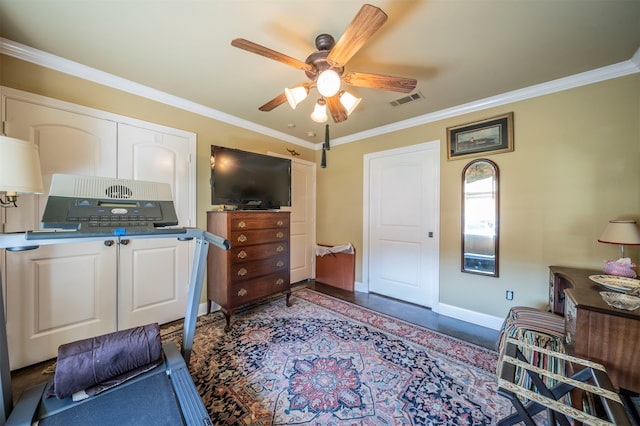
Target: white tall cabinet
57, 294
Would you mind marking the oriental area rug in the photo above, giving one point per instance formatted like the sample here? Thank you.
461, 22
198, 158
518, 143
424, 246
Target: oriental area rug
323, 361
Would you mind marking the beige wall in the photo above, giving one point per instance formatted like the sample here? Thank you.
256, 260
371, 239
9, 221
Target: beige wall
575, 166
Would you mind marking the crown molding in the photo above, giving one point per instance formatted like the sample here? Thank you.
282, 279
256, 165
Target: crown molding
47, 60
621, 69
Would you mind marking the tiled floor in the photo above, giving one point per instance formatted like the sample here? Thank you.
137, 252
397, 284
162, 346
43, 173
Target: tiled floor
415, 314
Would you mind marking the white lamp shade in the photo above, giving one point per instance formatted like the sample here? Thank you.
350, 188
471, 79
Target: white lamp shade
296, 95
328, 83
623, 232
319, 114
349, 102
19, 167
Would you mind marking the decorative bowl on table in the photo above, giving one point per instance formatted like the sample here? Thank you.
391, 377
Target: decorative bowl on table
616, 283
620, 300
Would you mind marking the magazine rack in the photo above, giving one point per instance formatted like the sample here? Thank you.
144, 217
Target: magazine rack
591, 380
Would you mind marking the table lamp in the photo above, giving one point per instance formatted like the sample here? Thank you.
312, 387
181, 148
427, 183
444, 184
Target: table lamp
19, 170
621, 232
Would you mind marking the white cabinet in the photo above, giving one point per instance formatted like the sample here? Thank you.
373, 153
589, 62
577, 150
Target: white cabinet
60, 293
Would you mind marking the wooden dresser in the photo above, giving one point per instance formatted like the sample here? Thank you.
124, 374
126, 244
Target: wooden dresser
595, 330
256, 266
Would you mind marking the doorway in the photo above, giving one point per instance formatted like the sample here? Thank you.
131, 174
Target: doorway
401, 223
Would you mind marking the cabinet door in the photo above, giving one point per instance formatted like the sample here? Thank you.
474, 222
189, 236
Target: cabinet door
68, 143
58, 296
79, 280
153, 283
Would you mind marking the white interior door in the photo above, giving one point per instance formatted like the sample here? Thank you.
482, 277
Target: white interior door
57, 294
303, 210
303, 219
401, 223
153, 282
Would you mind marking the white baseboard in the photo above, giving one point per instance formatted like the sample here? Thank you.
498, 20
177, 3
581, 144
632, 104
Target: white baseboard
473, 317
202, 308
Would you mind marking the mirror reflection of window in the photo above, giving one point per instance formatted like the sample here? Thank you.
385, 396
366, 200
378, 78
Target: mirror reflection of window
480, 218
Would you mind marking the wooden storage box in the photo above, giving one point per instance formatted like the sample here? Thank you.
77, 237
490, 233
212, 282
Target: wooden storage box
337, 269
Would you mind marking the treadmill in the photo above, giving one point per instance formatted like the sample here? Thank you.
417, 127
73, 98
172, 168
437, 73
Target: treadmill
82, 209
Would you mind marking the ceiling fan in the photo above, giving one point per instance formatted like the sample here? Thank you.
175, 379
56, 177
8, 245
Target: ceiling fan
325, 67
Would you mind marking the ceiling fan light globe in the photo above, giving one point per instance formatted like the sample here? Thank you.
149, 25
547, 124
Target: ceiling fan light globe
349, 102
319, 114
296, 95
328, 83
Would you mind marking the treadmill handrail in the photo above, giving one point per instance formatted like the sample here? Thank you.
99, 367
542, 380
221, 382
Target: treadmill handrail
30, 239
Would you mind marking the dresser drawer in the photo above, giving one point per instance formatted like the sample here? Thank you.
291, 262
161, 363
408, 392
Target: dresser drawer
249, 270
258, 221
258, 236
254, 289
262, 251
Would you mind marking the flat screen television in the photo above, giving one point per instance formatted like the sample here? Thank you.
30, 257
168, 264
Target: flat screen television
247, 180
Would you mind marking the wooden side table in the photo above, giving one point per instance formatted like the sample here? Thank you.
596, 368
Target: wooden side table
596, 331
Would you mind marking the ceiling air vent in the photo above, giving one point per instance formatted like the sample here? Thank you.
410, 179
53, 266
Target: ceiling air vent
406, 99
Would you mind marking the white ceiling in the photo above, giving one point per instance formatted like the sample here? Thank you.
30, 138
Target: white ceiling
460, 51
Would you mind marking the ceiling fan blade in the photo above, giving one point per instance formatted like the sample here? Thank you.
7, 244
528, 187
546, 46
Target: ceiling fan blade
273, 103
367, 21
337, 110
252, 47
379, 81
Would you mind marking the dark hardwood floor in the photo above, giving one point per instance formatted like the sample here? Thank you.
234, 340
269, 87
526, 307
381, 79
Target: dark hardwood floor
481, 336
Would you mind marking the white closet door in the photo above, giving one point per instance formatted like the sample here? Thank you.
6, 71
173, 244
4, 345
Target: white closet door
57, 294
303, 208
56, 298
153, 282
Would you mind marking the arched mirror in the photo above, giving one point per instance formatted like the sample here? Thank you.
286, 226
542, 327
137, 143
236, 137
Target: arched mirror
480, 216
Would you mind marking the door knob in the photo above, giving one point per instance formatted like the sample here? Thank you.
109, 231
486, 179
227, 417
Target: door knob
108, 243
124, 242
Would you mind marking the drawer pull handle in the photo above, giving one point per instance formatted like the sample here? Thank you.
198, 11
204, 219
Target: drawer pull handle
242, 238
279, 249
242, 272
242, 292
279, 264
280, 223
279, 281
242, 254
242, 224
279, 234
